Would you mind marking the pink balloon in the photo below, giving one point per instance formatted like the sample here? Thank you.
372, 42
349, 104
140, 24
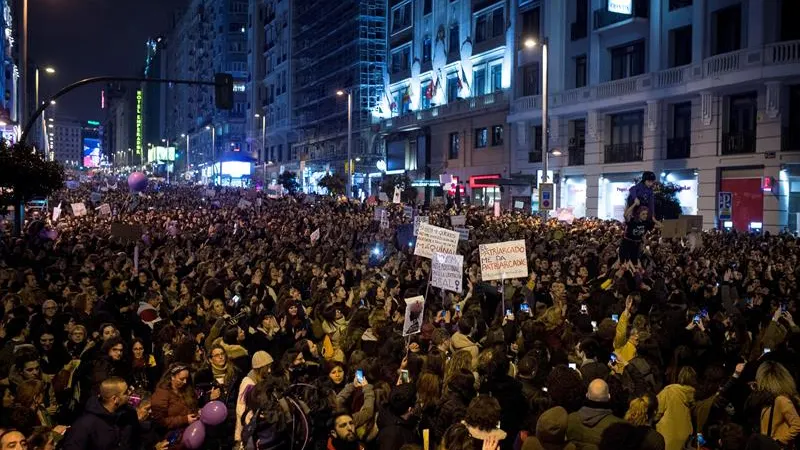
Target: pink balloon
194, 435
137, 181
214, 413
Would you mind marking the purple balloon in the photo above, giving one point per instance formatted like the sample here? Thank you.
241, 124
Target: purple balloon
137, 181
214, 413
194, 435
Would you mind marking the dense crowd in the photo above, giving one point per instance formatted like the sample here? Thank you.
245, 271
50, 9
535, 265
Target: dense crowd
113, 342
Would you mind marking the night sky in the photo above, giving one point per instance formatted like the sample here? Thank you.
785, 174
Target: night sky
84, 38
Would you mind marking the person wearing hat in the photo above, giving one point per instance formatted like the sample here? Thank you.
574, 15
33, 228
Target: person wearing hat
261, 368
643, 191
551, 432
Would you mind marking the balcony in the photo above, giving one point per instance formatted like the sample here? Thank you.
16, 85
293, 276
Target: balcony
576, 155
790, 139
739, 143
621, 153
604, 18
578, 30
466, 106
678, 148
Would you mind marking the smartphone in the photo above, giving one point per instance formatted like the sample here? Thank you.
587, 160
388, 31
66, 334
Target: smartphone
783, 307
700, 439
509, 313
613, 359
749, 301
544, 389
573, 366
458, 308
444, 313
594, 325
236, 299
360, 375
766, 350
696, 318
615, 317
584, 309
526, 308
173, 437
134, 400
404, 376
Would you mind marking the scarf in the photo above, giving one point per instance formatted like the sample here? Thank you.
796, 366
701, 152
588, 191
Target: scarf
225, 372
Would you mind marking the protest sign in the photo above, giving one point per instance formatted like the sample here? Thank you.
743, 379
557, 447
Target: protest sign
503, 260
408, 211
497, 209
126, 232
447, 271
383, 197
418, 220
315, 236
78, 209
565, 215
210, 193
519, 205
415, 306
431, 239
377, 214
104, 209
397, 193
56, 212
463, 233
96, 197
244, 204
458, 221
384, 219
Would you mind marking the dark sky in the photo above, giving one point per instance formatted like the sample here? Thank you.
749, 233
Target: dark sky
84, 38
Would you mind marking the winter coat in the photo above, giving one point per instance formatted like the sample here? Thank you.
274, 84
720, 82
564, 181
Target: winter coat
623, 347
462, 342
395, 432
513, 406
452, 409
169, 410
99, 429
785, 421
585, 427
675, 403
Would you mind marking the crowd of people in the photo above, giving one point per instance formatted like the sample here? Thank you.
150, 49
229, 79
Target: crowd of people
290, 312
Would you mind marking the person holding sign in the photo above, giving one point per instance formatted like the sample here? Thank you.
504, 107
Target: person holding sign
637, 225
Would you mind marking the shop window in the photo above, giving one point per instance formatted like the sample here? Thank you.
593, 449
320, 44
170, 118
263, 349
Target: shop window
497, 135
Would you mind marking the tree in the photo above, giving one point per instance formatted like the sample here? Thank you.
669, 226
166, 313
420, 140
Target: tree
665, 196
289, 182
408, 192
333, 183
25, 175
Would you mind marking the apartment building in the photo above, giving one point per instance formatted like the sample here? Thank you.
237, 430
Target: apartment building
705, 93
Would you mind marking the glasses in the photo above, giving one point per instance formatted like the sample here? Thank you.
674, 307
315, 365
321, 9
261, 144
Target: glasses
218, 355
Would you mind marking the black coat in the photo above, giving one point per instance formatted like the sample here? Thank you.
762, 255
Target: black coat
99, 429
395, 431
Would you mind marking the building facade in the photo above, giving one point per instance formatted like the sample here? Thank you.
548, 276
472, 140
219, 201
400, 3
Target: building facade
119, 105
66, 141
705, 93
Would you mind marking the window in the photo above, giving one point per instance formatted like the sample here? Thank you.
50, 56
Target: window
531, 23
489, 25
535, 156
578, 29
481, 137
580, 71
497, 77
479, 82
455, 146
424, 101
400, 59
427, 7
627, 61
497, 135
727, 34
401, 17
682, 120
454, 39
626, 128
426, 49
530, 80
742, 116
452, 88
680, 42
280, 152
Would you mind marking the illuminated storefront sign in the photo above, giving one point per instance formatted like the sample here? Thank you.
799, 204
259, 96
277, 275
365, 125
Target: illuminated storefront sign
480, 181
139, 122
620, 6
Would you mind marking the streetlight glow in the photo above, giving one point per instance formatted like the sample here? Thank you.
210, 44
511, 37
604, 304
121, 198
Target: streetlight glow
49, 69
183, 135
257, 115
340, 92
556, 152
52, 102
208, 127
530, 43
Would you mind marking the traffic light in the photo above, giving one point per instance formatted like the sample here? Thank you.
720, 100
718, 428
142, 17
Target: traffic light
223, 91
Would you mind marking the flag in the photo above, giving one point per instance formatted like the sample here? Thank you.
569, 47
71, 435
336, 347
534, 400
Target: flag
464, 76
429, 90
407, 98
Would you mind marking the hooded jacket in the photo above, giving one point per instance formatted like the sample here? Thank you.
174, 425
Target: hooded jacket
675, 403
99, 429
585, 427
462, 342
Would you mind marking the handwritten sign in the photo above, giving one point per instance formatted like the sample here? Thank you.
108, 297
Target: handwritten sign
458, 221
56, 212
378, 214
78, 209
408, 211
447, 271
417, 221
244, 204
503, 260
497, 209
104, 209
384, 219
463, 233
315, 236
431, 239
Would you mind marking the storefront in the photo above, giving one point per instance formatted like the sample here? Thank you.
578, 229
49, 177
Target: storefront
790, 183
748, 198
613, 194
485, 189
573, 194
687, 196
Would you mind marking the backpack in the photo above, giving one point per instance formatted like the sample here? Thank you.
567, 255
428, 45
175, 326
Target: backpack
638, 378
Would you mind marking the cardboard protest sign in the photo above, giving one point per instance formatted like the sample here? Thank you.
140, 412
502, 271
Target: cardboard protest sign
447, 271
56, 212
458, 221
397, 193
497, 209
431, 239
78, 209
315, 236
519, 205
463, 233
244, 204
680, 227
417, 221
126, 232
104, 209
565, 215
503, 260
415, 306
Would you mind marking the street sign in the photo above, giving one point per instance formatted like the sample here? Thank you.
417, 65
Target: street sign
546, 197
725, 205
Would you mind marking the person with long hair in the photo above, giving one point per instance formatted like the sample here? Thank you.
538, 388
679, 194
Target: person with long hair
641, 413
144, 370
775, 384
675, 403
173, 403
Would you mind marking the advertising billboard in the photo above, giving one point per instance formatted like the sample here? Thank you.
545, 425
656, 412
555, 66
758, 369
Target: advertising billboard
160, 154
91, 152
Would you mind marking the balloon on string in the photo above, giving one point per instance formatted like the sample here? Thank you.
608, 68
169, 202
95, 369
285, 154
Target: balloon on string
137, 181
194, 435
214, 413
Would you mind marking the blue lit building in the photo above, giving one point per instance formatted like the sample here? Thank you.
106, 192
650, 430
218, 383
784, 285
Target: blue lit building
9, 114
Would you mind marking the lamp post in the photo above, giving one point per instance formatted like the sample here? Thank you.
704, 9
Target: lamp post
263, 153
213, 151
531, 43
187, 151
51, 71
349, 164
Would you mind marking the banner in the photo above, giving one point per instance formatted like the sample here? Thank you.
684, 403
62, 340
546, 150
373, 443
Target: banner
104, 209
503, 260
415, 306
56, 212
431, 239
463, 233
418, 220
315, 236
458, 221
447, 272
78, 209
565, 215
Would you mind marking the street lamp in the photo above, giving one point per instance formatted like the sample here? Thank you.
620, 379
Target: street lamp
531, 43
349, 93
213, 148
263, 154
50, 70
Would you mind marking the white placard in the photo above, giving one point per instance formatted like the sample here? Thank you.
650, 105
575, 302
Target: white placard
408, 211
445, 178
315, 236
415, 306
565, 215
431, 239
78, 209
458, 221
620, 6
377, 214
519, 204
397, 193
463, 233
503, 260
56, 212
383, 197
447, 272
244, 204
497, 209
104, 209
384, 219
418, 220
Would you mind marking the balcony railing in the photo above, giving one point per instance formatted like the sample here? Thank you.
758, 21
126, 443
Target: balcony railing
578, 30
790, 139
603, 17
576, 155
620, 153
738, 143
678, 148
